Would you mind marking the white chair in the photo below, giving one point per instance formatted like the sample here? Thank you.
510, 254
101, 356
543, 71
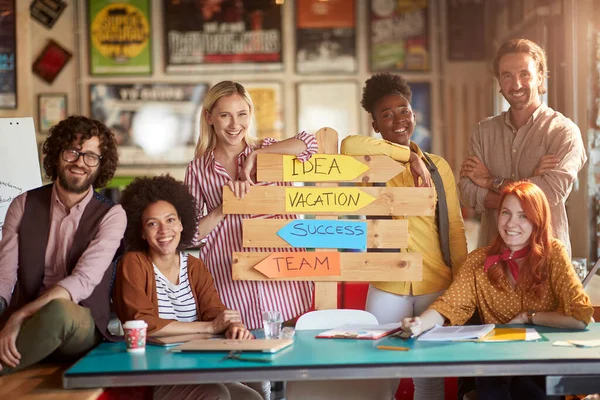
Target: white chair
329, 319
375, 389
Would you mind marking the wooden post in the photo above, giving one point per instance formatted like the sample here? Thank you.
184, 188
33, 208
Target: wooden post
326, 292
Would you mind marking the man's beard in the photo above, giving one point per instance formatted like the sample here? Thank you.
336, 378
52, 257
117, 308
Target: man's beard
72, 186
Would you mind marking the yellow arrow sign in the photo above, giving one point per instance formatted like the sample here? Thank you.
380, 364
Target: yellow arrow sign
322, 168
307, 200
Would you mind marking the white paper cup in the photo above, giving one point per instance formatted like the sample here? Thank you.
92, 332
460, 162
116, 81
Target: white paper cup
135, 336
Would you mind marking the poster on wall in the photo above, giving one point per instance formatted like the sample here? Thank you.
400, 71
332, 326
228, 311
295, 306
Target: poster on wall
8, 56
399, 35
151, 122
466, 27
329, 104
120, 40
325, 36
421, 105
268, 109
241, 35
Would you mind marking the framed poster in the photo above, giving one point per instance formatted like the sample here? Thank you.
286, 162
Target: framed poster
241, 35
52, 108
329, 104
466, 27
153, 123
46, 12
8, 55
399, 35
51, 61
267, 98
120, 40
421, 105
325, 36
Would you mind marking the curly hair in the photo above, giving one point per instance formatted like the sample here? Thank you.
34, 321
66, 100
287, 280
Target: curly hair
62, 136
380, 85
142, 192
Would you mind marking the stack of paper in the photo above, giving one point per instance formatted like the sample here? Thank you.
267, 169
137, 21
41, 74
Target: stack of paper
454, 333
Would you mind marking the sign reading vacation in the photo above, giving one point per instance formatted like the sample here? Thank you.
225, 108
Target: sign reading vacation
322, 168
301, 264
331, 234
307, 200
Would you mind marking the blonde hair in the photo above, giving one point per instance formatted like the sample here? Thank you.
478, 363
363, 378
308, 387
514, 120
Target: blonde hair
523, 46
207, 140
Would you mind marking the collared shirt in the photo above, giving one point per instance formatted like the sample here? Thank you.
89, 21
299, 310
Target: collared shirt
515, 154
63, 225
423, 231
472, 290
206, 177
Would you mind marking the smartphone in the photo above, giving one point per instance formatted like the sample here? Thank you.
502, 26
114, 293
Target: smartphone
402, 335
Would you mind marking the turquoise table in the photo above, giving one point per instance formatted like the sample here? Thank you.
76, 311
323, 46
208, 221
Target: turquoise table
109, 365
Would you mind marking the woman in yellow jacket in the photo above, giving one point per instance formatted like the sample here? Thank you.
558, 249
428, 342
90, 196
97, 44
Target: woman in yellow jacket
387, 98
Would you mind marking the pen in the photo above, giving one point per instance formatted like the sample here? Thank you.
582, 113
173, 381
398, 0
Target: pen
393, 348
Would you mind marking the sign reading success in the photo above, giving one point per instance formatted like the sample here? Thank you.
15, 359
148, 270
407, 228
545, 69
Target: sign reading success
330, 234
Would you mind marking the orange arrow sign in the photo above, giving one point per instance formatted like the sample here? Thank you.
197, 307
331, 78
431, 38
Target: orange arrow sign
301, 264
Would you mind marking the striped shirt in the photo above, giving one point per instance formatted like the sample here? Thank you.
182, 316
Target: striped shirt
175, 302
205, 178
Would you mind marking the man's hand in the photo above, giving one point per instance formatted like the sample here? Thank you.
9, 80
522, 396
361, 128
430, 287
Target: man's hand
224, 320
3, 305
475, 170
238, 331
9, 355
418, 169
547, 163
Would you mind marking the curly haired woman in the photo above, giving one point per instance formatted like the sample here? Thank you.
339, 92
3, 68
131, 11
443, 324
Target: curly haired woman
160, 284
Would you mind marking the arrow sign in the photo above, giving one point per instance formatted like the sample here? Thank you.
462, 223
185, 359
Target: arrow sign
310, 200
322, 168
327, 168
330, 234
301, 264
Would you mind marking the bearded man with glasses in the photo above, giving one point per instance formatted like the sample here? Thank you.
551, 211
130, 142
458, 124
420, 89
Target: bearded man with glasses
57, 250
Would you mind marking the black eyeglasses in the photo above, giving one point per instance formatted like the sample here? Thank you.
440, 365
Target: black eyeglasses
90, 159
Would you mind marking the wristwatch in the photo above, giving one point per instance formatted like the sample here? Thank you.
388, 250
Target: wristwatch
530, 315
497, 184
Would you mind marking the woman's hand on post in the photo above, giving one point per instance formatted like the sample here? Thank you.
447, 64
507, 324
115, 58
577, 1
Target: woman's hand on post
249, 168
418, 170
239, 188
412, 325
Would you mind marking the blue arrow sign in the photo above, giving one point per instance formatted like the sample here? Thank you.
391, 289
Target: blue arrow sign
325, 233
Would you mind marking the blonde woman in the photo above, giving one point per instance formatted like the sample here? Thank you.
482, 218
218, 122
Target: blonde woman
226, 155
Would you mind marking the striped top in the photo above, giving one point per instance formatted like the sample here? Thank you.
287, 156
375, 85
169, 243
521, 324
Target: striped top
206, 178
175, 301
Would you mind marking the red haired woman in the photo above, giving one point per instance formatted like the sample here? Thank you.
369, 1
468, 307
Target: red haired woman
525, 277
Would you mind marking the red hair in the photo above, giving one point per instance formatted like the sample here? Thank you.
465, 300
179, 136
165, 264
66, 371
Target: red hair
536, 209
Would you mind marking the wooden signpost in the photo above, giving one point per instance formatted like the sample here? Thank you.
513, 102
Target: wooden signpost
326, 234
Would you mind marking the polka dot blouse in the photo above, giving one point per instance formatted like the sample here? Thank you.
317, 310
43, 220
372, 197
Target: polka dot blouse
472, 291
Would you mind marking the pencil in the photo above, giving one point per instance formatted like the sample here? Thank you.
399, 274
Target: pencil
393, 348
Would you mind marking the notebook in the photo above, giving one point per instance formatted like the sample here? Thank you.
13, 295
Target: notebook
511, 335
369, 332
168, 341
258, 345
456, 333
